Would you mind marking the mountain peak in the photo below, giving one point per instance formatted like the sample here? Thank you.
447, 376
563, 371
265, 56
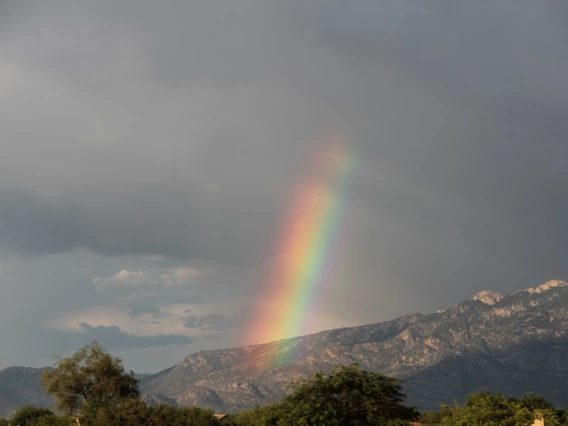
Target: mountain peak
488, 297
547, 286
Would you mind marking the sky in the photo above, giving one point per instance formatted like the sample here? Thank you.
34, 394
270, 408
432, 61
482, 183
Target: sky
149, 152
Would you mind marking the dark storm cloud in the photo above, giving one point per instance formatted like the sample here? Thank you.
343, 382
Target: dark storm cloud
42, 224
30, 224
135, 220
490, 149
178, 129
477, 193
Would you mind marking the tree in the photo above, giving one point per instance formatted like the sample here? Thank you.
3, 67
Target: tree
535, 402
347, 396
89, 381
28, 415
267, 415
135, 412
430, 418
53, 421
486, 409
490, 409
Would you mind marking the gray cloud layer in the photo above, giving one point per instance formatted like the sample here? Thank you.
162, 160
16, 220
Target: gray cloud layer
179, 129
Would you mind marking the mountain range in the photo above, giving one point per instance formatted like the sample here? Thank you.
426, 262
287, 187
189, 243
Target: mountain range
19, 386
513, 343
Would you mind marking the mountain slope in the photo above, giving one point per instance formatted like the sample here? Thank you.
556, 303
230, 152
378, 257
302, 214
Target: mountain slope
515, 343
19, 386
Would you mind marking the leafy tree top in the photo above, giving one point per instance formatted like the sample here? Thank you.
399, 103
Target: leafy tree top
347, 396
91, 375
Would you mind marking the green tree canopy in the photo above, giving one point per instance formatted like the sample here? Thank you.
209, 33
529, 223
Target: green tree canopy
135, 412
33, 416
88, 381
267, 415
27, 415
346, 396
490, 409
534, 402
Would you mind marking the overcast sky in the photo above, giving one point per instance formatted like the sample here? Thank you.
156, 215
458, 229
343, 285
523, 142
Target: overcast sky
149, 149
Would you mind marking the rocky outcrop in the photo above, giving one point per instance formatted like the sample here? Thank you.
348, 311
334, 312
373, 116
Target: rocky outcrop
488, 297
547, 286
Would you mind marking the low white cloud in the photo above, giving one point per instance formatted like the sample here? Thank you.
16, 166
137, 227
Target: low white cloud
125, 275
166, 278
125, 278
148, 320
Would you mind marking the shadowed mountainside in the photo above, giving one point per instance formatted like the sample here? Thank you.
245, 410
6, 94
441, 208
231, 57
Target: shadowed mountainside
19, 386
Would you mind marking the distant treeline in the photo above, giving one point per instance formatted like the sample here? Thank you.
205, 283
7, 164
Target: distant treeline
92, 388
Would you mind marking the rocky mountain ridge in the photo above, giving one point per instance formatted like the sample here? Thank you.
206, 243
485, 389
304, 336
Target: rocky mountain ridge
514, 343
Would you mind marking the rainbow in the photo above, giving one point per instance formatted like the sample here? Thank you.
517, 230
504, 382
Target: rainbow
306, 248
